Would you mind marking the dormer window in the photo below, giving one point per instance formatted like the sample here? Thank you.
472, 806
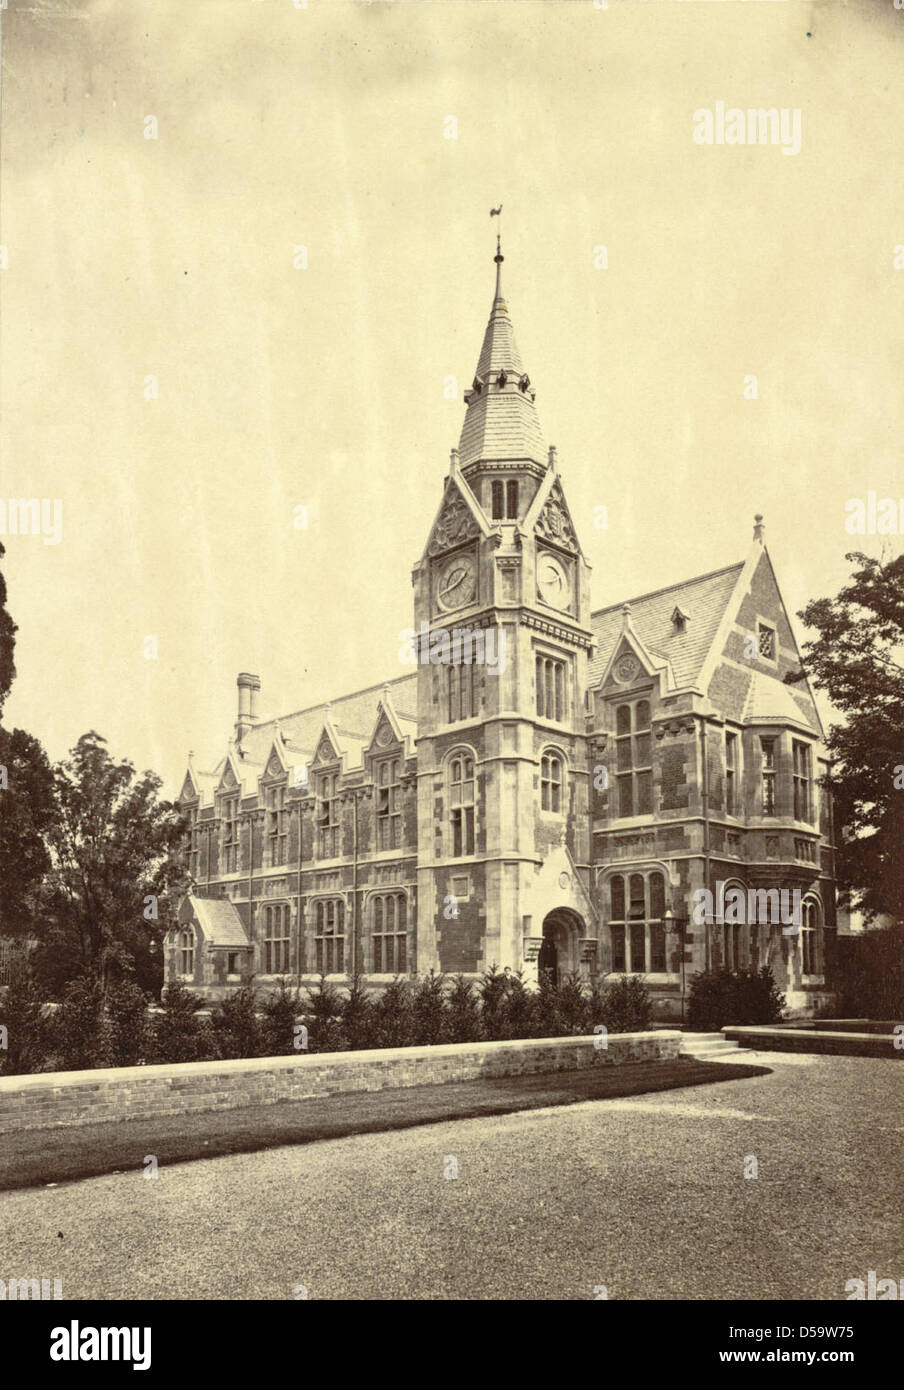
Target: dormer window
501, 379
679, 620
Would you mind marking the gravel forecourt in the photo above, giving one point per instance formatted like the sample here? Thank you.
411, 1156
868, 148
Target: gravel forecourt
645, 1196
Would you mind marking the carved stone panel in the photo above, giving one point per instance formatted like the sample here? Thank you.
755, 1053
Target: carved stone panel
454, 524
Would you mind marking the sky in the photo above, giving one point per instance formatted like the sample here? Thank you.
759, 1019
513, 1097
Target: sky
181, 378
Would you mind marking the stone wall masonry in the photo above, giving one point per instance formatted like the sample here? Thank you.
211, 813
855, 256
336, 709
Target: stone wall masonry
817, 1039
51, 1099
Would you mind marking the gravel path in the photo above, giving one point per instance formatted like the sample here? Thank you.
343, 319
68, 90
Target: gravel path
646, 1196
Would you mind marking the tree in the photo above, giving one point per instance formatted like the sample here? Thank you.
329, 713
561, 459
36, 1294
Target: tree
117, 868
7, 641
857, 660
27, 814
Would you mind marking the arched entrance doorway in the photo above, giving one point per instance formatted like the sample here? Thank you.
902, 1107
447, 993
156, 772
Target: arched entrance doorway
560, 953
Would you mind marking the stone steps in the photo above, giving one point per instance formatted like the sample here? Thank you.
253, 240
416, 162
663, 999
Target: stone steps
708, 1047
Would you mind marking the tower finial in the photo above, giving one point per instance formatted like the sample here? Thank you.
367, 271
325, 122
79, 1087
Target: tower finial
759, 530
498, 258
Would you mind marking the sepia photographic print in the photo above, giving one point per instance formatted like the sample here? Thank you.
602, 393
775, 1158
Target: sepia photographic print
451, 671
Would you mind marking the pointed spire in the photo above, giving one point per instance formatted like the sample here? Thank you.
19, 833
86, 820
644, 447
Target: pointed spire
501, 420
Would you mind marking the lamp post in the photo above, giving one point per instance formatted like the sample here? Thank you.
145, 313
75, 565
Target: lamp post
674, 923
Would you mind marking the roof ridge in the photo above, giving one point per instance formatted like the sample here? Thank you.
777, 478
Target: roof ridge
682, 584
318, 704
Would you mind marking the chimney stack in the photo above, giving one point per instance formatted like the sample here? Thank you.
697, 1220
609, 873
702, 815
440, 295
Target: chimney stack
248, 687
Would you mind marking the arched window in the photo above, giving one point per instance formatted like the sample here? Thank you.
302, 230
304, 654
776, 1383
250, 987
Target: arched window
187, 953
637, 906
551, 782
277, 825
229, 833
464, 689
634, 759
276, 939
389, 819
328, 815
194, 842
329, 936
461, 802
389, 933
810, 953
550, 683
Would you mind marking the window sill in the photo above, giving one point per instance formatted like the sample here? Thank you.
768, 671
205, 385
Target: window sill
657, 977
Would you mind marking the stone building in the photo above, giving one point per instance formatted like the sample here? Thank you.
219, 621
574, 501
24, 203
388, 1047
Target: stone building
549, 787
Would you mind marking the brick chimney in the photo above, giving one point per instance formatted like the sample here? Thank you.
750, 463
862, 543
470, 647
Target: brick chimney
248, 687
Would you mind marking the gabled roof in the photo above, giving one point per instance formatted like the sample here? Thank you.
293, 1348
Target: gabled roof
705, 599
352, 715
218, 919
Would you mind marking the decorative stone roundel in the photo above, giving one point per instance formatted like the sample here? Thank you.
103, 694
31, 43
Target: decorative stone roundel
564, 880
626, 668
384, 735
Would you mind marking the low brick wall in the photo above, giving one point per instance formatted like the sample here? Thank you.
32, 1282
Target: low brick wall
840, 1043
84, 1097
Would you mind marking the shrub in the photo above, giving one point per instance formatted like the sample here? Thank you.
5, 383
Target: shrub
235, 1024
428, 1010
571, 1007
546, 1006
462, 1011
277, 1024
80, 1041
867, 973
626, 1006
394, 1016
721, 997
177, 1034
358, 1023
21, 1013
518, 1015
124, 1022
324, 1018
491, 991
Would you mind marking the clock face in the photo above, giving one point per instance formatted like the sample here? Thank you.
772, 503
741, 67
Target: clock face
552, 581
456, 584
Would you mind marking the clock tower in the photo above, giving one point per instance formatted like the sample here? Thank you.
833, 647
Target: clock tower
501, 609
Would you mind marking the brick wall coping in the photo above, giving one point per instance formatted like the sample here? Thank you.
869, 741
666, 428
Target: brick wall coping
815, 1040
764, 1030
302, 1061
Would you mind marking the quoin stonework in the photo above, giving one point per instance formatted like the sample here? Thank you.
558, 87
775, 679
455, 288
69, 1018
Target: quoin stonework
557, 810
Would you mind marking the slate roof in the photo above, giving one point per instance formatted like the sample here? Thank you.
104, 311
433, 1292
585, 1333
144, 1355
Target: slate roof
219, 921
703, 600
500, 422
769, 699
353, 716
501, 425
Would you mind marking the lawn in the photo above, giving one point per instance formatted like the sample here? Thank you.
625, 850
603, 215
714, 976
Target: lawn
29, 1158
